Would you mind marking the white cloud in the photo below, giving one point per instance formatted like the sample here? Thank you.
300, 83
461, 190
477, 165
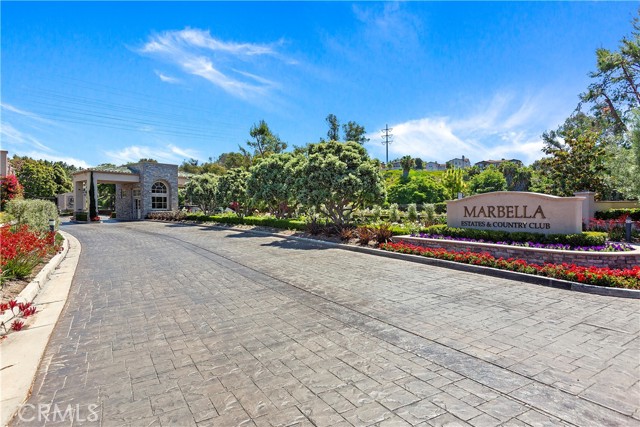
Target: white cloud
56, 158
504, 127
34, 116
167, 79
169, 154
11, 135
196, 52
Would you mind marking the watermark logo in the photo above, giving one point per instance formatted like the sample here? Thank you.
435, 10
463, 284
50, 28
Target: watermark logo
53, 413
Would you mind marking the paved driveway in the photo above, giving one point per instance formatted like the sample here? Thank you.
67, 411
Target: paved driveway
182, 325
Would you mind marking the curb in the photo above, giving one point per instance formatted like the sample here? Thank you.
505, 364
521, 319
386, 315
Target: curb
487, 271
29, 293
22, 352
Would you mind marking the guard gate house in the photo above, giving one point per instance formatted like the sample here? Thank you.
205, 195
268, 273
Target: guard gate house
141, 188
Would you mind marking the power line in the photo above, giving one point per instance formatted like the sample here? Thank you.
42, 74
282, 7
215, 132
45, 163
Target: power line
388, 139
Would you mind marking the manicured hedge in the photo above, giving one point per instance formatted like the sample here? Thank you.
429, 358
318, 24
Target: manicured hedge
266, 221
588, 238
440, 208
617, 213
34, 213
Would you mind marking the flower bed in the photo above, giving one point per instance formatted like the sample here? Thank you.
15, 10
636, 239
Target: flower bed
22, 249
599, 276
606, 247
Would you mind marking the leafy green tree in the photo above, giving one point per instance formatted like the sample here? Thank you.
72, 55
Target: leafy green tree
354, 132
453, 182
273, 181
418, 190
407, 163
202, 190
233, 160
61, 179
264, 142
577, 156
107, 196
333, 134
518, 177
623, 164
36, 181
232, 191
419, 163
490, 179
614, 92
338, 178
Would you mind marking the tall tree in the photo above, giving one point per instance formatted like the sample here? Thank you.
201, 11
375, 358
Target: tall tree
614, 91
35, 178
232, 191
333, 134
407, 163
272, 182
489, 180
354, 132
202, 190
518, 177
337, 178
453, 182
577, 156
264, 141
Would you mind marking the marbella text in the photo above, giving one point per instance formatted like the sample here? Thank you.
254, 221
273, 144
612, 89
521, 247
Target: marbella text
505, 212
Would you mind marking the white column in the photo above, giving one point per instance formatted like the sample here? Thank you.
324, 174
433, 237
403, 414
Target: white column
78, 203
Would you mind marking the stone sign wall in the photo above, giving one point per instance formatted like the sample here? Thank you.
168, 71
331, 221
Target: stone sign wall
517, 211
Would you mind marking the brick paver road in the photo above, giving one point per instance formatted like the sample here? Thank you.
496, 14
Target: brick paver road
182, 325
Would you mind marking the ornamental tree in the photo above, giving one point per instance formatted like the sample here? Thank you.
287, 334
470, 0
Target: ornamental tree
232, 191
337, 178
273, 181
10, 189
36, 179
453, 182
202, 190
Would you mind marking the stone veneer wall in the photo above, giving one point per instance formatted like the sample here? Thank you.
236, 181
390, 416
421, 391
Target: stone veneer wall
533, 255
124, 205
152, 172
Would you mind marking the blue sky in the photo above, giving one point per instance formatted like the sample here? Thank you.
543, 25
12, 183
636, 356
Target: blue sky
99, 82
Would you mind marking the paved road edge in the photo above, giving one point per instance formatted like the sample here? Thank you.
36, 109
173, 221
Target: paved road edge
22, 352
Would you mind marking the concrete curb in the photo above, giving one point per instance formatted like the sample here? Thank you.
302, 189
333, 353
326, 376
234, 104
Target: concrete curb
22, 352
487, 271
34, 287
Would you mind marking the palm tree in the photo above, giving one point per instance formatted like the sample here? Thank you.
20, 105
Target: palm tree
407, 163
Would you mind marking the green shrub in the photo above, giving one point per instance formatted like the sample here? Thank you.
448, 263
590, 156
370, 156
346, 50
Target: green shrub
617, 213
81, 216
376, 213
589, 238
441, 208
430, 213
394, 213
34, 213
167, 215
412, 212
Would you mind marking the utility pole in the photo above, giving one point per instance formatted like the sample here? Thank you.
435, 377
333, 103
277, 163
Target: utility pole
388, 139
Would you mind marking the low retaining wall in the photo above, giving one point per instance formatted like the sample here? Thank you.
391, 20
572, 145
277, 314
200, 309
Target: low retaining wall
533, 255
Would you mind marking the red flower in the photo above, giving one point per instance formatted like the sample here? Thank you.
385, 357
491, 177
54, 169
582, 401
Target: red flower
17, 325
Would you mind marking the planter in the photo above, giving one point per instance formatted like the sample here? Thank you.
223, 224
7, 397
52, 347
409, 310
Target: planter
621, 260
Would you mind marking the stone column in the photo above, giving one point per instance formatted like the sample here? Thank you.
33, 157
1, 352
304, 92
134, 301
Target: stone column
588, 205
79, 202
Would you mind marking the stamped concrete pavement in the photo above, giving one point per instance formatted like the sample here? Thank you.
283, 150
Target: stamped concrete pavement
169, 324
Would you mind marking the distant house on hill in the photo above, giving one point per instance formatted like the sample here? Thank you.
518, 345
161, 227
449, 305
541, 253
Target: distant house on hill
486, 163
462, 163
435, 166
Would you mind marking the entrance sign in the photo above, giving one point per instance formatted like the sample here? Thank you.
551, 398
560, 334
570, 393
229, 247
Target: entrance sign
517, 211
